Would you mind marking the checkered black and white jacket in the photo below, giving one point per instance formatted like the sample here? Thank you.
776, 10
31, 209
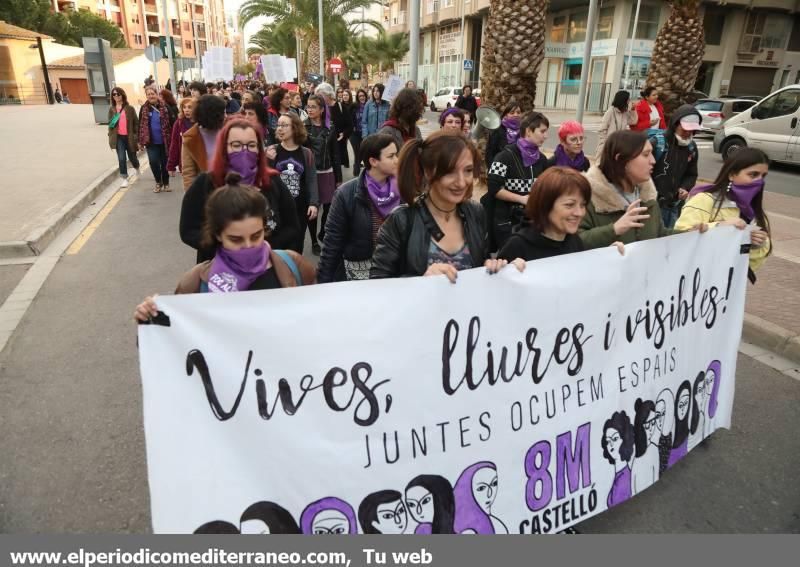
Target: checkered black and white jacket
508, 172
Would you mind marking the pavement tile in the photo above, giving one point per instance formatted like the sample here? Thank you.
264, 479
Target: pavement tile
776, 295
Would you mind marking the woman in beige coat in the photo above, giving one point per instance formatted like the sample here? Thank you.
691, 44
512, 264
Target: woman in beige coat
619, 117
200, 140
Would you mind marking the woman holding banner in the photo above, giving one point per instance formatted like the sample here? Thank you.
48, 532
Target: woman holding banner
238, 220
440, 230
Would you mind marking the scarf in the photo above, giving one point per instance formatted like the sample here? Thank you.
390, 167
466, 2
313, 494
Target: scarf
742, 195
563, 159
245, 163
529, 151
384, 196
511, 124
236, 270
393, 123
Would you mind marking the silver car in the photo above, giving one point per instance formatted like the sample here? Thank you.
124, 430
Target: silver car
715, 111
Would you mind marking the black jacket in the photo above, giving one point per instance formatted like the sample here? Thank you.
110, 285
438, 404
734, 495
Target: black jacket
404, 239
284, 236
508, 172
348, 230
676, 166
467, 104
530, 244
342, 120
322, 141
497, 141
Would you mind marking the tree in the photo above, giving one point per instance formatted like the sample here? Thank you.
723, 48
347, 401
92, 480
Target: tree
391, 48
65, 27
302, 17
513, 52
273, 38
678, 53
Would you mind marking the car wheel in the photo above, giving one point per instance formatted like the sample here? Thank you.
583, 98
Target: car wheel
433, 107
730, 147
448, 105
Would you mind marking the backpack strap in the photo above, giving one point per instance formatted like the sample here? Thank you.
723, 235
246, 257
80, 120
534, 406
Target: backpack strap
286, 257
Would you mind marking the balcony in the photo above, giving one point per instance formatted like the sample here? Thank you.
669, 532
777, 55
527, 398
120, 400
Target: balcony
200, 30
151, 23
150, 7
400, 19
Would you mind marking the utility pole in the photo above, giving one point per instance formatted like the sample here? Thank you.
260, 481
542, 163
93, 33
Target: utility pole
587, 59
170, 47
463, 39
413, 41
630, 47
48, 87
321, 44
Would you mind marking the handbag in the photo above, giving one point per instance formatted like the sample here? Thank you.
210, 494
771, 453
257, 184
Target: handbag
113, 122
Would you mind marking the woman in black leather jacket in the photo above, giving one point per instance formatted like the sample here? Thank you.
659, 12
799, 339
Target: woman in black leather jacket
440, 230
322, 142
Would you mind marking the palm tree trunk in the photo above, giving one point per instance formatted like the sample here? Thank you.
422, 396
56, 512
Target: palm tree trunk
678, 54
312, 56
514, 51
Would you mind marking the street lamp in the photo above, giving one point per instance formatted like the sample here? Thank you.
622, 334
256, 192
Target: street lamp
48, 86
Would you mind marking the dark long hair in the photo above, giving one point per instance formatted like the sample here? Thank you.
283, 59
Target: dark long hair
643, 410
444, 507
274, 516
406, 109
368, 509
124, 97
621, 147
682, 425
696, 411
621, 100
740, 160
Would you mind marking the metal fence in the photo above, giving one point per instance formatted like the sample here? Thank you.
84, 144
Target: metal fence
563, 95
19, 94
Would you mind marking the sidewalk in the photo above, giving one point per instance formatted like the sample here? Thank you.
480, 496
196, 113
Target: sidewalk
50, 157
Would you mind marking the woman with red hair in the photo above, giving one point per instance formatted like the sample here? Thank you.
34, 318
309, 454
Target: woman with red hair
239, 148
569, 153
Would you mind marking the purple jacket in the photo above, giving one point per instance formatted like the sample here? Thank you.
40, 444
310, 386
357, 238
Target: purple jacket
175, 143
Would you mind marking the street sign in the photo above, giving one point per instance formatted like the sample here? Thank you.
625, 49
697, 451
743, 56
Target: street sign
469, 64
335, 65
154, 53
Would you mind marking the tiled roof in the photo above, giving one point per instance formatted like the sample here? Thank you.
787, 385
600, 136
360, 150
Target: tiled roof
16, 32
117, 56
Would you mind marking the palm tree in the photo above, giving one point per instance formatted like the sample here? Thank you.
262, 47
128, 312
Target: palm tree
391, 48
514, 51
678, 53
272, 38
302, 17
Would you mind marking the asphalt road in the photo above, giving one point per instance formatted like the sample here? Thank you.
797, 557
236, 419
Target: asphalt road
72, 443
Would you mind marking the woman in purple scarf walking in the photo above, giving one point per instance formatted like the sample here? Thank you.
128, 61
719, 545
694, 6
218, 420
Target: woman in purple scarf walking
569, 153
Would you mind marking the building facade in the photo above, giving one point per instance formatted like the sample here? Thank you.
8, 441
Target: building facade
194, 25
752, 46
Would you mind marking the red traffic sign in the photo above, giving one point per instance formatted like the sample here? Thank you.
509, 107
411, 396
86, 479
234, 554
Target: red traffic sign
335, 65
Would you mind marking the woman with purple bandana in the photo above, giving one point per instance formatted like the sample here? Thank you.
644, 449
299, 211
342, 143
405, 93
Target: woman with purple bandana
359, 208
618, 447
569, 153
512, 175
507, 133
329, 516
735, 198
237, 228
475, 493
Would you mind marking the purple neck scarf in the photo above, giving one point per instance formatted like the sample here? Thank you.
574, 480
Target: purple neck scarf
562, 158
511, 124
245, 163
742, 195
529, 151
384, 196
236, 270
209, 141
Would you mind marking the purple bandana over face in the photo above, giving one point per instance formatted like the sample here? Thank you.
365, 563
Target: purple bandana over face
236, 270
743, 196
529, 151
384, 196
245, 163
511, 124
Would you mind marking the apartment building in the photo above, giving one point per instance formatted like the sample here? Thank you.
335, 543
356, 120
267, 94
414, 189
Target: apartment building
194, 25
752, 46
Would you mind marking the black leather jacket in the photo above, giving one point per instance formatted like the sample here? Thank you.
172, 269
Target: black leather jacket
402, 249
322, 142
348, 230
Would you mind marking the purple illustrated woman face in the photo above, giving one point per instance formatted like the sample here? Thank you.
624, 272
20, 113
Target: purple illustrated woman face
329, 515
711, 377
683, 404
420, 504
613, 443
484, 488
330, 522
392, 518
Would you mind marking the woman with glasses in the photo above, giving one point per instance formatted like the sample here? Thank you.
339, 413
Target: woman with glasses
646, 464
297, 170
155, 129
123, 133
321, 141
240, 149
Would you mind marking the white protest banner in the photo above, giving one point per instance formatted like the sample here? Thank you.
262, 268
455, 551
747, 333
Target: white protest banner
517, 402
393, 86
274, 68
289, 69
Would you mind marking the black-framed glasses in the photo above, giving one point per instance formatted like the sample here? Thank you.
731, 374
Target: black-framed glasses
116, 94
239, 146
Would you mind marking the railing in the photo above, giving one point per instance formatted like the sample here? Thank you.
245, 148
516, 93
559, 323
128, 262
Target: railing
400, 19
17, 94
563, 95
153, 28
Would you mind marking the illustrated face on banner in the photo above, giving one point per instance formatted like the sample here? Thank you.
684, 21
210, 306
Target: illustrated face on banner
392, 518
613, 443
254, 527
683, 404
709, 385
651, 424
484, 488
330, 522
700, 394
661, 412
420, 504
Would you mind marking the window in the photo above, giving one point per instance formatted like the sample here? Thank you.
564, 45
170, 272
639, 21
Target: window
187, 45
572, 72
605, 23
647, 27
786, 102
186, 8
577, 26
709, 105
558, 33
137, 39
447, 3
765, 31
713, 22
742, 105
794, 39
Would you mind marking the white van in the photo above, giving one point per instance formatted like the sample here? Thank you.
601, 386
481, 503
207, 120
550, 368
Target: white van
771, 126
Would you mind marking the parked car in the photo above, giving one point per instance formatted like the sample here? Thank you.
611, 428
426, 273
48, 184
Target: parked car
771, 125
693, 96
715, 111
445, 98
754, 98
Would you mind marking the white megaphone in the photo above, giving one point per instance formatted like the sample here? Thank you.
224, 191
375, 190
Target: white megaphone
486, 118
